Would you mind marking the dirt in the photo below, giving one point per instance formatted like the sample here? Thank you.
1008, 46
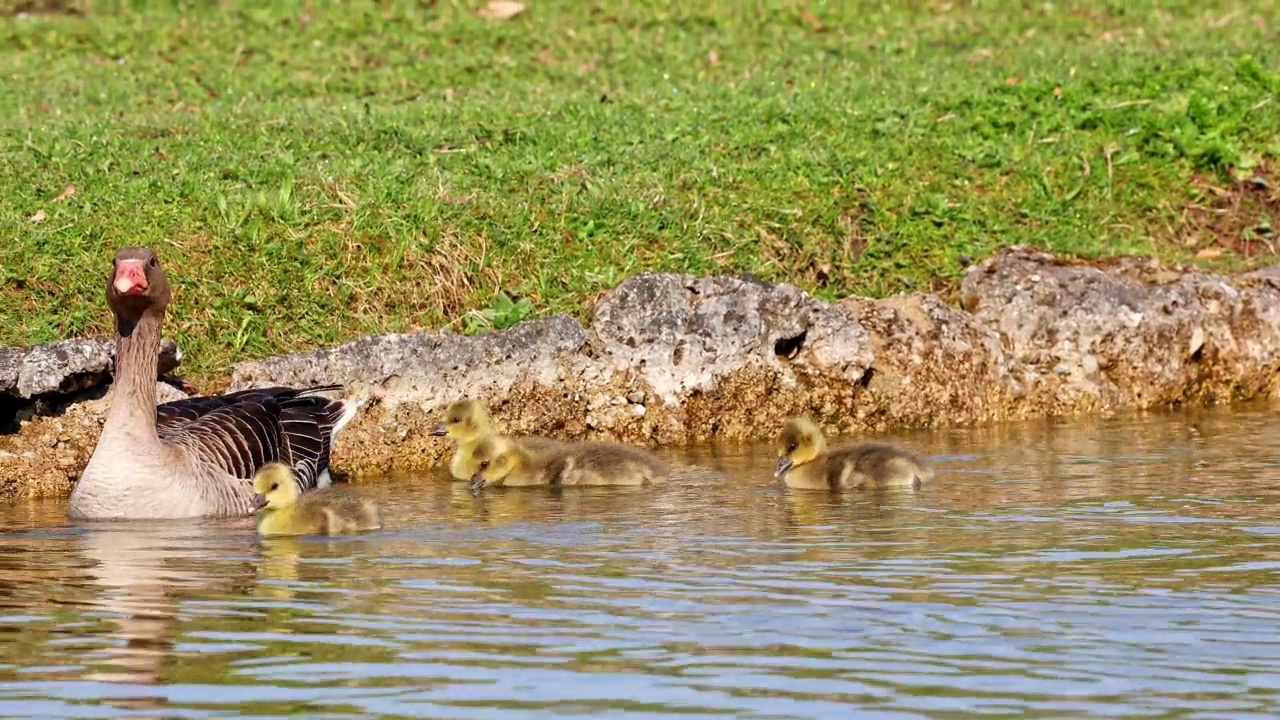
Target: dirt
46, 7
1238, 217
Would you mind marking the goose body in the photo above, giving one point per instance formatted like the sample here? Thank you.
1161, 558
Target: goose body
197, 456
804, 462
283, 509
508, 462
467, 421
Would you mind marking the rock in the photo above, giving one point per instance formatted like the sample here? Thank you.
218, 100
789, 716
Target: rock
670, 359
10, 362
934, 365
680, 333
425, 367
1130, 336
66, 367
710, 349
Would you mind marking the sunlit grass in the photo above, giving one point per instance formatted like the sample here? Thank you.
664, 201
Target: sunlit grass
308, 176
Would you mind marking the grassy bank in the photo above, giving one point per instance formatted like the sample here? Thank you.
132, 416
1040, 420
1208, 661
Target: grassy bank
311, 174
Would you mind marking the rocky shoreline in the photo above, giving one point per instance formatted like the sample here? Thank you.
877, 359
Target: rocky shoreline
673, 359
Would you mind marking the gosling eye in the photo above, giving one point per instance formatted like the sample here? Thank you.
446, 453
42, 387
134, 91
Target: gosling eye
275, 486
456, 420
791, 447
484, 465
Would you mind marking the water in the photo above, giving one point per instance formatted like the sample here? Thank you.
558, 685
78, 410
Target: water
1101, 568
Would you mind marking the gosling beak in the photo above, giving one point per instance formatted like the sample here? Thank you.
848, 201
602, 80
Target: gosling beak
784, 464
259, 501
440, 430
131, 278
477, 483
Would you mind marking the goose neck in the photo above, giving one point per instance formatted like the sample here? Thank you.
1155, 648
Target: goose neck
133, 406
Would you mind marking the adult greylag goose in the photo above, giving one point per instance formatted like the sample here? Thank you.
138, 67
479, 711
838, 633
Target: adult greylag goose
198, 456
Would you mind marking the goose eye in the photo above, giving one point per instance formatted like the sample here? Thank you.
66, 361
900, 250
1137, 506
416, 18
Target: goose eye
791, 447
484, 465
275, 486
455, 420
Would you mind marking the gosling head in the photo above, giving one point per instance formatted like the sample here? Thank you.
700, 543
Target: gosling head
491, 460
464, 420
275, 487
800, 442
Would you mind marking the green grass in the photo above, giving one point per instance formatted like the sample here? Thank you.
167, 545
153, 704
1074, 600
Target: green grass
311, 176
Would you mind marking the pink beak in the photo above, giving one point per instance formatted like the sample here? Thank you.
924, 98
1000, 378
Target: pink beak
131, 278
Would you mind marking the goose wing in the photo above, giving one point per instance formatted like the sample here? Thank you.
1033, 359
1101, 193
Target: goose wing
236, 439
240, 432
177, 412
308, 424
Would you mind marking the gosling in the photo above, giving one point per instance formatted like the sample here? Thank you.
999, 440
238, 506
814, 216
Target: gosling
805, 463
509, 462
467, 421
284, 510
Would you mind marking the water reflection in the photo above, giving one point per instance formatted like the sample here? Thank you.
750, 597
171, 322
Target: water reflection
1115, 567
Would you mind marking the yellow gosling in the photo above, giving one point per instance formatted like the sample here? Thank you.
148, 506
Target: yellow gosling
466, 421
508, 462
804, 462
284, 510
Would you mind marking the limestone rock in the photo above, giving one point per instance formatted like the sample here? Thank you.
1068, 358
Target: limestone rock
425, 367
10, 362
709, 348
66, 367
670, 359
680, 333
934, 366
1129, 336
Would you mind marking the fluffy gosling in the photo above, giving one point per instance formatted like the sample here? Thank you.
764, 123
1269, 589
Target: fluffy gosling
466, 421
509, 462
284, 510
804, 462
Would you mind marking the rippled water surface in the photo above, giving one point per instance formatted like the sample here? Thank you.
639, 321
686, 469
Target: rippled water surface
1106, 568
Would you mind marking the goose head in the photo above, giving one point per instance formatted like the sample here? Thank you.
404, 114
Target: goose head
274, 487
136, 284
799, 442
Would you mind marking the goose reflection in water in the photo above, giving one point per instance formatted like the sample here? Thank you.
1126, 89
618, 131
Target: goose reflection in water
138, 575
